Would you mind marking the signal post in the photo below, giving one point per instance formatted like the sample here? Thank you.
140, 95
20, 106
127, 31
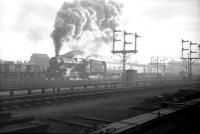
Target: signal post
124, 51
189, 58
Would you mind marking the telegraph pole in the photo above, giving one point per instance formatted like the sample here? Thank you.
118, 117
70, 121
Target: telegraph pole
124, 51
157, 66
152, 59
164, 66
157, 60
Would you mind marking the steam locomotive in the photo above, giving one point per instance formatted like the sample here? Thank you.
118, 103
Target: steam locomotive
61, 67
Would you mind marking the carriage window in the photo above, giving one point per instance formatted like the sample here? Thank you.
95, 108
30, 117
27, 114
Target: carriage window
12, 68
2, 68
23, 68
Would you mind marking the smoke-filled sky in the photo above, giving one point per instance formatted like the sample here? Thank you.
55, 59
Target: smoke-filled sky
26, 26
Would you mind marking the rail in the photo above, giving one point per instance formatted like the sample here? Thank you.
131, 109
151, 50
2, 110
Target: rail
42, 87
157, 121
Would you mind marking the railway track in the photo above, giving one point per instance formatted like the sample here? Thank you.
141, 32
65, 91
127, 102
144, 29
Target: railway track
174, 118
84, 123
9, 103
78, 123
25, 101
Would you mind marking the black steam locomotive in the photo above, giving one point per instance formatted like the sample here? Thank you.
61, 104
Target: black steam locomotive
61, 67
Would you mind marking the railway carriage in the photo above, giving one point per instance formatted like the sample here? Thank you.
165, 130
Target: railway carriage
11, 70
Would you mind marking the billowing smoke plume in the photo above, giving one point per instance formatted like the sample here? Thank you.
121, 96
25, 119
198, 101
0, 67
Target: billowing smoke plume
75, 19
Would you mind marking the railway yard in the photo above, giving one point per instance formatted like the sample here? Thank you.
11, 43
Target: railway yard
71, 67
89, 107
90, 96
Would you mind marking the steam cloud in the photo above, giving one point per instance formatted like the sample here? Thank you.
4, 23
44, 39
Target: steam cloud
75, 19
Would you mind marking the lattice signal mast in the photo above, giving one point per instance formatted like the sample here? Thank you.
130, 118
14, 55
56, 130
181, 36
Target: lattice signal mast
124, 51
190, 59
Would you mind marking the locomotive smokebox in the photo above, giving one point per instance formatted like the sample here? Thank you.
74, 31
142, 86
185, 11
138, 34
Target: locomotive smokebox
131, 77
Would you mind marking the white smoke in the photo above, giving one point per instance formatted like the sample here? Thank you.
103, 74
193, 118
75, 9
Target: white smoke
91, 19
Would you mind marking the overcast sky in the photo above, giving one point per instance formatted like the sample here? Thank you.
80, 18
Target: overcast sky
26, 25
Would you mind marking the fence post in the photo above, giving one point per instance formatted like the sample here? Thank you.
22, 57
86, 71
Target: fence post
54, 90
72, 88
43, 90
11, 92
114, 85
29, 91
58, 89
123, 85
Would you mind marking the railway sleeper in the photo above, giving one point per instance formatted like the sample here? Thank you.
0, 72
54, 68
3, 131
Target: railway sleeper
72, 123
15, 120
92, 119
26, 127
